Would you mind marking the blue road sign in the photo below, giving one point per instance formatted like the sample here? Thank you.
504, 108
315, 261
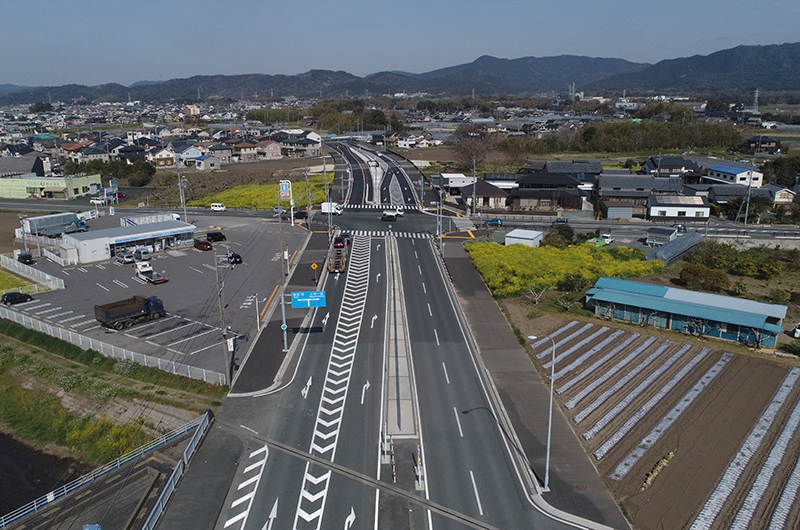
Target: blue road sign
308, 299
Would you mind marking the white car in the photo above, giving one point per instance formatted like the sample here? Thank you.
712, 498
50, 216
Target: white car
217, 207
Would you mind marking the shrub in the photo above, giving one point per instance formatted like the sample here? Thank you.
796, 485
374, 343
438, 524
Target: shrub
697, 276
779, 296
126, 367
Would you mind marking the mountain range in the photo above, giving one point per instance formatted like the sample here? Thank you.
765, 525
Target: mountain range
744, 68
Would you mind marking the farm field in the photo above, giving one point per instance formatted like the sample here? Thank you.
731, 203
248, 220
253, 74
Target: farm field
713, 433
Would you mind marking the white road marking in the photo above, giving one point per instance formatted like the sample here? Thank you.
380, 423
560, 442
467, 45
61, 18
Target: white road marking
100, 286
121, 284
72, 318
61, 314
475, 489
437, 337
429, 310
458, 422
49, 310
189, 338
82, 269
364, 391
420, 269
205, 348
38, 306
424, 290
196, 270
446, 377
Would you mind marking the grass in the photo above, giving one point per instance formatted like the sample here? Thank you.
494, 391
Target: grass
9, 281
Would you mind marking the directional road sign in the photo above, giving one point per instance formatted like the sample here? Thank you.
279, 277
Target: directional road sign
308, 299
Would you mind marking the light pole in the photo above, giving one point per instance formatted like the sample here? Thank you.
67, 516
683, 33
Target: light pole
550, 415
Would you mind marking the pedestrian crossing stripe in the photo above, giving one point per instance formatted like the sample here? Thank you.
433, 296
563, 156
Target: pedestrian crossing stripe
384, 233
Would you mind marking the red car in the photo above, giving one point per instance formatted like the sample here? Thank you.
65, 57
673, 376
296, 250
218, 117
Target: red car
120, 195
202, 245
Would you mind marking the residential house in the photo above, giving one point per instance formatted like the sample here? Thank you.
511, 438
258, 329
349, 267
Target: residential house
759, 144
451, 183
244, 152
678, 208
487, 196
635, 190
504, 181
207, 163
726, 174
548, 192
223, 152
666, 165
187, 154
131, 153
268, 150
162, 157
779, 194
722, 194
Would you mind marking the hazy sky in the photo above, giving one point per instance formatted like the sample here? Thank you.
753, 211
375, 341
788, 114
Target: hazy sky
92, 42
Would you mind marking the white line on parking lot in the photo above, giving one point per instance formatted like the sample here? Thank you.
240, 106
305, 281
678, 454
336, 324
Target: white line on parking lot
196, 270
138, 280
79, 324
72, 318
82, 269
192, 337
38, 306
90, 329
61, 314
120, 284
174, 329
155, 322
64, 272
100, 286
207, 347
100, 267
207, 266
48, 310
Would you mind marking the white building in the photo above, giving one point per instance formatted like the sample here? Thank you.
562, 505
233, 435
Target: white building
678, 208
735, 175
531, 238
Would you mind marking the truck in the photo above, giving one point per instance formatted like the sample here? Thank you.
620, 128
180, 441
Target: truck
144, 271
602, 240
45, 225
337, 261
331, 208
125, 313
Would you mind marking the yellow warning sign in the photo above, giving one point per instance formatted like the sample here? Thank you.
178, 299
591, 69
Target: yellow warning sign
314, 266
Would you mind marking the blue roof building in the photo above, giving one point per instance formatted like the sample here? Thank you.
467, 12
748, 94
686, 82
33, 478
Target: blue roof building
703, 314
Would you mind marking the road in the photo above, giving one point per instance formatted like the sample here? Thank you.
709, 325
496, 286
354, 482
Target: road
389, 420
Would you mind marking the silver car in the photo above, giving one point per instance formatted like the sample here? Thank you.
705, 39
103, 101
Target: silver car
125, 258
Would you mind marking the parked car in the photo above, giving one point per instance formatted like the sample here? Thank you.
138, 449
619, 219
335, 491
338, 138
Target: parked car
141, 254
215, 236
339, 242
681, 228
25, 258
202, 245
494, 222
16, 298
120, 195
125, 258
234, 258
218, 207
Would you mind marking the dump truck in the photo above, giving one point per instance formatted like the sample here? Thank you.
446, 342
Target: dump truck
126, 313
144, 271
337, 261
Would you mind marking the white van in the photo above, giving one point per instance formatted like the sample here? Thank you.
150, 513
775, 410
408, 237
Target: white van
217, 207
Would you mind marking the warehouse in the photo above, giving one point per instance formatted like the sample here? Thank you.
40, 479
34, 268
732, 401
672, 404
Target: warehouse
754, 323
99, 245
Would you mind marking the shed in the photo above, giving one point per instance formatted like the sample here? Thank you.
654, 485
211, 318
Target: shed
676, 249
531, 238
660, 235
617, 209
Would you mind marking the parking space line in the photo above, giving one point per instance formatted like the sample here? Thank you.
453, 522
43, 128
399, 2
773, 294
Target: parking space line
191, 338
71, 318
48, 310
121, 284
100, 267
155, 322
174, 329
78, 324
90, 329
207, 266
196, 270
38, 306
82, 269
207, 347
61, 314
100, 286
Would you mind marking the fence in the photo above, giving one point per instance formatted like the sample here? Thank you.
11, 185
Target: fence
89, 477
32, 274
114, 351
172, 483
52, 256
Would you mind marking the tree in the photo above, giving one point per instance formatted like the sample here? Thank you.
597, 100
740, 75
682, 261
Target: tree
535, 295
572, 281
698, 276
472, 144
772, 269
42, 106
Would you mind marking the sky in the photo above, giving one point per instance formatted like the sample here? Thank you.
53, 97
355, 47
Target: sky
88, 42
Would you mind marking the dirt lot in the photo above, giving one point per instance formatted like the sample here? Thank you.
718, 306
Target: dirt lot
704, 438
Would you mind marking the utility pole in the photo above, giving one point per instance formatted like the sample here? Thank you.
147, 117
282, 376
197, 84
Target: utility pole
182, 183
220, 286
474, 185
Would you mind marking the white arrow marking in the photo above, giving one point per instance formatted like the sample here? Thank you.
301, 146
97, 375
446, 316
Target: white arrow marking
272, 516
325, 320
378, 277
336, 278
363, 391
350, 519
372, 325
379, 248
304, 392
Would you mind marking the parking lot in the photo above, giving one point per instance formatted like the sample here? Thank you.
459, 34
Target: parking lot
192, 330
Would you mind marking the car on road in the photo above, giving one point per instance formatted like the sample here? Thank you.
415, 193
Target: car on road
234, 258
681, 228
120, 195
125, 258
301, 214
215, 236
202, 245
494, 222
560, 221
389, 215
347, 237
25, 258
279, 210
218, 207
16, 298
339, 242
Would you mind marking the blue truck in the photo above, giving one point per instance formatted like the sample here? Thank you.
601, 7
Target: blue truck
126, 313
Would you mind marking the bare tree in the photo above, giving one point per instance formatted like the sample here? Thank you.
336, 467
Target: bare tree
472, 144
534, 295
695, 326
755, 337
566, 301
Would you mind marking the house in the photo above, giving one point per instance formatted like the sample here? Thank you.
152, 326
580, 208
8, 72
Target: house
244, 152
635, 190
223, 152
486, 195
548, 192
664, 166
726, 174
779, 194
268, 150
187, 154
162, 157
759, 144
660, 235
724, 193
711, 315
207, 163
504, 181
131, 153
451, 183
678, 208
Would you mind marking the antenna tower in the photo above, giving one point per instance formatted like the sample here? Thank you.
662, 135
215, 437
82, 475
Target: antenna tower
755, 103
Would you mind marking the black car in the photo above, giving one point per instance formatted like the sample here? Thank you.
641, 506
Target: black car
16, 298
25, 258
302, 214
347, 237
339, 242
234, 258
215, 236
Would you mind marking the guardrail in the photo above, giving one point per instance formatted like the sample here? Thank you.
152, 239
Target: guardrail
32, 274
88, 343
89, 477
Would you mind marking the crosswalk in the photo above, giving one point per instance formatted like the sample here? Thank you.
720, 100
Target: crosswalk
379, 207
384, 233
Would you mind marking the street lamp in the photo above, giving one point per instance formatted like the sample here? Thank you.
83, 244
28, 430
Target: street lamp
550, 416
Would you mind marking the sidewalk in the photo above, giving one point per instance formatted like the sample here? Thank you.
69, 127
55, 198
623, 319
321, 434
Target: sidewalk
574, 484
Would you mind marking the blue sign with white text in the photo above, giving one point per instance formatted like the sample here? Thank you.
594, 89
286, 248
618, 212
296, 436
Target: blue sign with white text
308, 299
